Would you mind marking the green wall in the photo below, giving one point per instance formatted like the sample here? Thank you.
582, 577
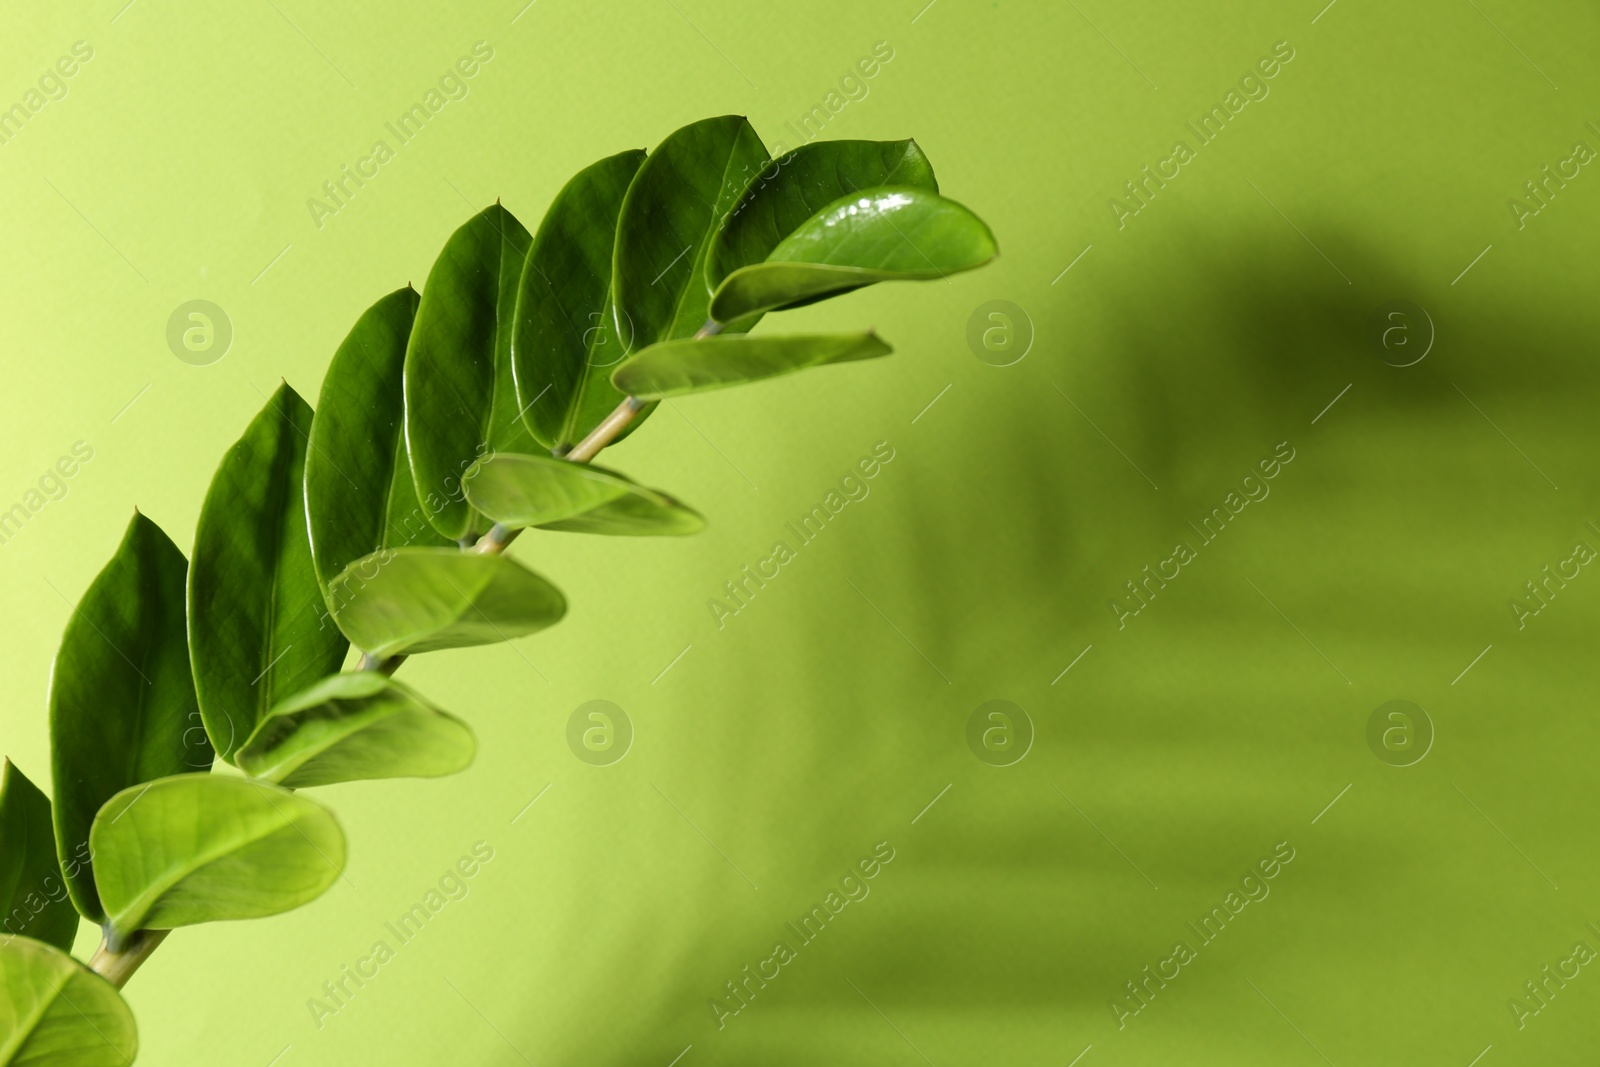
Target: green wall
1189, 342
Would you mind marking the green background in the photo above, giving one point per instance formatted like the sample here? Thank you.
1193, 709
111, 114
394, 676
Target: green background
824, 717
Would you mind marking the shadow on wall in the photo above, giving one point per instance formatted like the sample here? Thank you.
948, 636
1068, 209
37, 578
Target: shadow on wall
1183, 382
993, 553
1186, 381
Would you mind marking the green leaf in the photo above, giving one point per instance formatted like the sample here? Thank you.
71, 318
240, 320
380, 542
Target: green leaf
798, 185
352, 727
461, 399
122, 698
33, 899
257, 624
555, 494
204, 848
889, 234
567, 337
641, 513
677, 368
359, 492
55, 1012
422, 599
677, 201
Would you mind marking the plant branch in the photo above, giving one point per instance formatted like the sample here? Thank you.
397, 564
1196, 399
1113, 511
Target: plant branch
387, 665
607, 431
614, 423
117, 967
495, 541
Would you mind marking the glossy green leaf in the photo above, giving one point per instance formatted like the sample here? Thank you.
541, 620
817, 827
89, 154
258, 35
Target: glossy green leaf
122, 698
796, 186
555, 494
567, 337
257, 624
33, 898
677, 368
204, 848
461, 399
641, 513
423, 599
55, 1012
518, 491
888, 234
677, 201
359, 493
356, 726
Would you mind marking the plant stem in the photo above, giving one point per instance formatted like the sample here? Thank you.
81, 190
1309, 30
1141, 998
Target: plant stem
607, 431
495, 541
387, 665
118, 967
614, 423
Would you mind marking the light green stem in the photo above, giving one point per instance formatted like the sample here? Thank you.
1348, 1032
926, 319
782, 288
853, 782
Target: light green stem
117, 967
607, 431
